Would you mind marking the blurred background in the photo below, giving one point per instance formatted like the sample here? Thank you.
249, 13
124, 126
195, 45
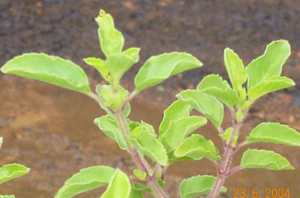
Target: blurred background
51, 130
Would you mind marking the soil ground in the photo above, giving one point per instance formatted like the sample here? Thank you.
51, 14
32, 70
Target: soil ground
51, 130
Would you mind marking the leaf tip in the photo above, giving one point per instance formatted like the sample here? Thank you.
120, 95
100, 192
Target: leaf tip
3, 70
283, 42
102, 13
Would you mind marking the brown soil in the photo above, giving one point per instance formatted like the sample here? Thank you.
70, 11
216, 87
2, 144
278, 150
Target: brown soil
51, 130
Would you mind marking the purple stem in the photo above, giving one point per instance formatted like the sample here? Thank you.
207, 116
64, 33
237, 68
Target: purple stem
225, 166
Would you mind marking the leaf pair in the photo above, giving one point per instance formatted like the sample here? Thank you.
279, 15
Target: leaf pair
175, 133
117, 62
155, 70
142, 135
264, 72
95, 177
269, 132
206, 104
252, 158
145, 139
66, 74
262, 76
214, 85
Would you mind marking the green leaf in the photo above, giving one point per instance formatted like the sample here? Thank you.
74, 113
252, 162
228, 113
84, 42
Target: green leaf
11, 171
197, 185
111, 39
269, 85
177, 110
50, 69
254, 158
133, 53
235, 69
272, 132
119, 186
108, 125
214, 85
138, 190
7, 196
113, 97
269, 64
116, 65
160, 67
86, 180
136, 194
227, 135
119, 64
100, 66
204, 103
144, 137
139, 174
179, 129
196, 147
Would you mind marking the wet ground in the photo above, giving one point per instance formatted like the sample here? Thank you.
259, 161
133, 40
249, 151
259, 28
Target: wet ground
51, 130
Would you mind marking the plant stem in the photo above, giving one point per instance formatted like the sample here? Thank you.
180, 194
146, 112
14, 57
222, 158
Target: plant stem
225, 166
138, 159
223, 171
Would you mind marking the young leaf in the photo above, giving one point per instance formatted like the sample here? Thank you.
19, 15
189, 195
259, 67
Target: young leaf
177, 110
235, 69
11, 171
86, 180
111, 39
204, 103
7, 196
254, 158
269, 64
272, 132
50, 69
214, 85
133, 53
197, 185
144, 137
139, 174
115, 66
108, 125
113, 97
119, 186
269, 85
227, 135
160, 67
119, 64
196, 147
100, 66
179, 129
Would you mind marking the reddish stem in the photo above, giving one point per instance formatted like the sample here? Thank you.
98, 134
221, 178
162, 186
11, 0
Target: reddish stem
225, 166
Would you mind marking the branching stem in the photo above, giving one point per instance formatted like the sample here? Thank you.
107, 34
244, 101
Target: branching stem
225, 165
138, 159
